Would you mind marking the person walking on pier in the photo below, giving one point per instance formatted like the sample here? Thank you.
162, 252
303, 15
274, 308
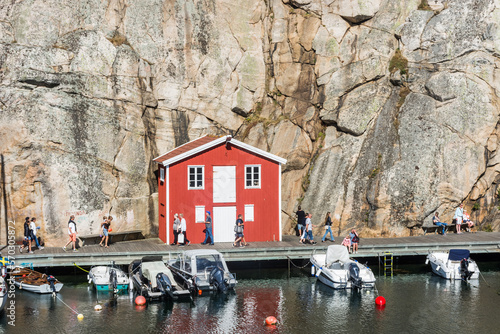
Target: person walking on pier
308, 230
239, 229
27, 236
183, 231
208, 230
328, 228
72, 233
436, 221
301, 217
176, 228
105, 227
33, 229
459, 216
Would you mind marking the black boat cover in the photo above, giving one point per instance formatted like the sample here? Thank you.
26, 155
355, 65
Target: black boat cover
458, 254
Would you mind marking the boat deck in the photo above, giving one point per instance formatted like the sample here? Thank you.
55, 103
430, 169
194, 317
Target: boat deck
125, 252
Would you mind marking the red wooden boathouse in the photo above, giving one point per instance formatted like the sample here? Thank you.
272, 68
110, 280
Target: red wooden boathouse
226, 177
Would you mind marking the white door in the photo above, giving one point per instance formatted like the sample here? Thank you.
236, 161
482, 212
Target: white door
224, 219
224, 184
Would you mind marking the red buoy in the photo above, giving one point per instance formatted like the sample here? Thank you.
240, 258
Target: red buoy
271, 321
140, 300
380, 301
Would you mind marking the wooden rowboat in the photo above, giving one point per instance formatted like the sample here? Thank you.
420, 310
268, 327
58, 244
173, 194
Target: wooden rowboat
33, 281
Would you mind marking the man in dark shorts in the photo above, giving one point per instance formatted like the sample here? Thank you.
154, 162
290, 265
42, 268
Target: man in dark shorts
301, 219
240, 237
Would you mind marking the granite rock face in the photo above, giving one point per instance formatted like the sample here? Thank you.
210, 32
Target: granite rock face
384, 111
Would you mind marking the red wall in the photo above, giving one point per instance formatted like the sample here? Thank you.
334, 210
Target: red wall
162, 206
265, 226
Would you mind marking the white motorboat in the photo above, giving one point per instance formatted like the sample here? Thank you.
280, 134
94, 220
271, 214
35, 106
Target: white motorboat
455, 264
108, 278
152, 279
206, 267
33, 281
336, 270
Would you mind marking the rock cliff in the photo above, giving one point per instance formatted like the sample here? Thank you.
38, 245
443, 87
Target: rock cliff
387, 110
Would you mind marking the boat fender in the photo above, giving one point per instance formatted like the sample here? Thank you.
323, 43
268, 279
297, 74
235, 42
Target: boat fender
319, 272
438, 267
313, 270
427, 261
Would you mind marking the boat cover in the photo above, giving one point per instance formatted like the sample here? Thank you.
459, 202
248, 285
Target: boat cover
336, 253
458, 254
151, 269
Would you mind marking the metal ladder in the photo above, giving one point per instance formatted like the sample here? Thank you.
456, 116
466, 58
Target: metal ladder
388, 263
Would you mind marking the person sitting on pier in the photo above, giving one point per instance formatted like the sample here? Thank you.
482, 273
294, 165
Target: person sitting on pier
437, 222
347, 242
470, 223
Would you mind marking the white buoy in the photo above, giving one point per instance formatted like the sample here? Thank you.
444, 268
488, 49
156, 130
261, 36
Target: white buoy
313, 270
98, 307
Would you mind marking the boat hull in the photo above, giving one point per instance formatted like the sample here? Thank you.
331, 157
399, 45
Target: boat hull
340, 278
451, 270
99, 276
42, 289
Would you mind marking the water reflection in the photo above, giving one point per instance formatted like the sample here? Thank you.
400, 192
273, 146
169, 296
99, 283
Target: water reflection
416, 303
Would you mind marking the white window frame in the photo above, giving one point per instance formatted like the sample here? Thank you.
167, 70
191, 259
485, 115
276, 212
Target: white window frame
252, 180
195, 181
199, 214
162, 174
249, 213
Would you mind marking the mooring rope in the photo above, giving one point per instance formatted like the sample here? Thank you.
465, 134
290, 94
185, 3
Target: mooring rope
80, 267
76, 312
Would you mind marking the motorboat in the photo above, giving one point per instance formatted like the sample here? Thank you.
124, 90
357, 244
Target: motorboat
336, 270
108, 278
206, 268
33, 281
455, 264
152, 279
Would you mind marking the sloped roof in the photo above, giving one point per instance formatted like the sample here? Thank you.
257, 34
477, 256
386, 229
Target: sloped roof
206, 142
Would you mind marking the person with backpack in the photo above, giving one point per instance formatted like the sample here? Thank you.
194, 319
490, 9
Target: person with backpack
105, 231
238, 229
72, 233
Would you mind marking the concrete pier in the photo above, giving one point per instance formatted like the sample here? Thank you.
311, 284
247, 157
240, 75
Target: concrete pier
125, 252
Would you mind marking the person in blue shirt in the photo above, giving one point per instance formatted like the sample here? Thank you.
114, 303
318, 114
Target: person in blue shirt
208, 230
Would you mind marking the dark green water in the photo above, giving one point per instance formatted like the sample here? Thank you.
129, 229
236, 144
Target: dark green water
417, 302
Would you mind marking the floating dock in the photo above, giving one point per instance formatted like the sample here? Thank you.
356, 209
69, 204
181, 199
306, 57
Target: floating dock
125, 252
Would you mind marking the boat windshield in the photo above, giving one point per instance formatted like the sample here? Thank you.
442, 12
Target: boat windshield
208, 261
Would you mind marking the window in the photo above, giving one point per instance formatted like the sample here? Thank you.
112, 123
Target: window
249, 213
162, 174
195, 177
252, 176
200, 214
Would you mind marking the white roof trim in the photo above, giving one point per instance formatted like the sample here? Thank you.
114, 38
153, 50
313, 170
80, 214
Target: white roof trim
220, 141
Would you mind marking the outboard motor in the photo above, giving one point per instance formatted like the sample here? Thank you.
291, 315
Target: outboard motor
464, 270
51, 279
164, 284
113, 280
354, 275
216, 279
